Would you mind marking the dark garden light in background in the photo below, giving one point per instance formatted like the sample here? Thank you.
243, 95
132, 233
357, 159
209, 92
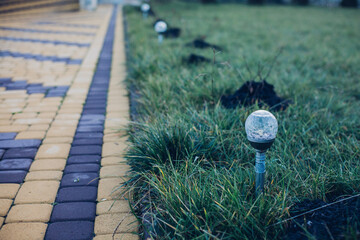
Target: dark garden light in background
145, 9
261, 128
160, 27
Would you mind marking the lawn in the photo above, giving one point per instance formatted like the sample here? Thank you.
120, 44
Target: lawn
192, 166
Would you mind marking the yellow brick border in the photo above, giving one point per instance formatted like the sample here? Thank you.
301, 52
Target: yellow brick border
116, 215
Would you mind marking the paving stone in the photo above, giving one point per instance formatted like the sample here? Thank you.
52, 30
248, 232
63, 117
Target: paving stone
37, 192
80, 168
15, 164
5, 205
39, 127
86, 150
47, 115
93, 117
107, 223
16, 176
87, 141
110, 130
29, 213
60, 150
108, 188
109, 161
33, 121
95, 105
7, 136
94, 111
31, 135
13, 128
70, 110
28, 231
68, 131
80, 179
49, 140
63, 122
21, 143
119, 236
2, 151
77, 194
20, 153
91, 122
1, 221
113, 149
74, 211
112, 206
8, 190
91, 129
74, 230
48, 165
84, 159
113, 137
89, 135
44, 175
6, 116
114, 171
68, 116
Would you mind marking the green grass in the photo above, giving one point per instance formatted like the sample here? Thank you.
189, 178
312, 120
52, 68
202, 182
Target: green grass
190, 156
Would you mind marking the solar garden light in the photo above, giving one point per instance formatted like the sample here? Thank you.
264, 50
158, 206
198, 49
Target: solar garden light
261, 128
160, 27
145, 8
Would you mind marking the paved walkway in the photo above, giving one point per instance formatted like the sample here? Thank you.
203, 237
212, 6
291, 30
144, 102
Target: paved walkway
62, 102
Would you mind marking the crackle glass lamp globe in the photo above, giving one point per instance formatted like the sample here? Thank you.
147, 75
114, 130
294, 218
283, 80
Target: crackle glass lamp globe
145, 7
261, 128
160, 27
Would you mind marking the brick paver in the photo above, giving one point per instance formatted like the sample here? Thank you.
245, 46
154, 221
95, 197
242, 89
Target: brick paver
62, 103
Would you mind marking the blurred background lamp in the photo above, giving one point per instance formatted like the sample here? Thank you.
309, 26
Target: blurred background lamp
160, 27
145, 8
261, 128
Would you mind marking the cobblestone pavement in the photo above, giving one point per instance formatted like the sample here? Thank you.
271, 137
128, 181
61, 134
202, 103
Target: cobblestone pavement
62, 103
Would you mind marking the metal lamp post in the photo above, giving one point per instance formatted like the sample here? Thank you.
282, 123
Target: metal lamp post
160, 27
261, 128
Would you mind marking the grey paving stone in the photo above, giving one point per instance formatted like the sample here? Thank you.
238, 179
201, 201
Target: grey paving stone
88, 135
79, 168
77, 194
87, 141
84, 159
91, 122
93, 117
16, 176
86, 150
72, 230
94, 128
79, 179
15, 164
94, 111
74, 211
20, 153
21, 143
7, 136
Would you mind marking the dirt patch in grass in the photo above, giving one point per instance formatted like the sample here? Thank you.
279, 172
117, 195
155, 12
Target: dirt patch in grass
329, 222
196, 59
200, 43
253, 92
